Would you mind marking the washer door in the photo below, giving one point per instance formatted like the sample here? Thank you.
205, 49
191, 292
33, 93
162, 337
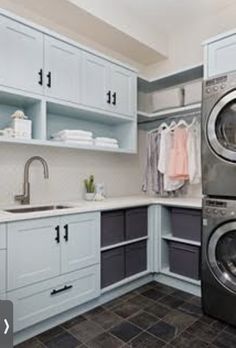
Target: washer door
221, 127
222, 254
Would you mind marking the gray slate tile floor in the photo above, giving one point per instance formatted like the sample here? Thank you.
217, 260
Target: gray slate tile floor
152, 316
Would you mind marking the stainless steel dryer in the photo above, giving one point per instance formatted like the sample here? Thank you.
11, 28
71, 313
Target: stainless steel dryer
219, 136
219, 259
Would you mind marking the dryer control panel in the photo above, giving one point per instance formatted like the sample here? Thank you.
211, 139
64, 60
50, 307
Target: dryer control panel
219, 208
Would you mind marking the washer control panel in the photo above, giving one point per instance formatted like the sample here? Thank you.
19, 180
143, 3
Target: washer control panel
219, 208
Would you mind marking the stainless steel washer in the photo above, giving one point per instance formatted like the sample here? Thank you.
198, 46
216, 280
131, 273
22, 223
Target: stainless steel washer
219, 136
219, 259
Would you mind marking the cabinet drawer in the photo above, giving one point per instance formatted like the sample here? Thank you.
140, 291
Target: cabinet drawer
39, 302
136, 223
2, 271
112, 266
3, 243
112, 227
135, 258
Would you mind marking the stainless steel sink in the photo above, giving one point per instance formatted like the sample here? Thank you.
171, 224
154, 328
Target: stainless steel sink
36, 209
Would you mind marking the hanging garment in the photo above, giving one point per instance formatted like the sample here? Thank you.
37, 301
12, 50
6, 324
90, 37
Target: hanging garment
153, 179
170, 184
194, 154
178, 159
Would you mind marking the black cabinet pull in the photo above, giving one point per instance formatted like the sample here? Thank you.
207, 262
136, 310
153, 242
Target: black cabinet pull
114, 98
49, 77
40, 73
57, 239
66, 287
109, 97
66, 235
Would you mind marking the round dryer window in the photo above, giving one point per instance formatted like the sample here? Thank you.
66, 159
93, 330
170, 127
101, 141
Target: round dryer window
222, 254
221, 127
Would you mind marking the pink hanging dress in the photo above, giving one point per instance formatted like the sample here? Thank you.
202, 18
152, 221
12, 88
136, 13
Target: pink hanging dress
178, 165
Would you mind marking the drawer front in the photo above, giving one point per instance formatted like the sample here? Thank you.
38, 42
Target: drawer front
39, 302
136, 223
2, 271
3, 243
112, 227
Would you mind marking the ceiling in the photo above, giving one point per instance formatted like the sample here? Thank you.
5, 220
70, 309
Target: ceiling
139, 31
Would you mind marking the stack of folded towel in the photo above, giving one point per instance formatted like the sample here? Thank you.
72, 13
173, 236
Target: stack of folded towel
106, 142
78, 137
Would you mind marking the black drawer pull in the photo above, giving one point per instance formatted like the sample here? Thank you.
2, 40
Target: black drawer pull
57, 239
66, 235
109, 97
66, 287
49, 76
40, 77
114, 98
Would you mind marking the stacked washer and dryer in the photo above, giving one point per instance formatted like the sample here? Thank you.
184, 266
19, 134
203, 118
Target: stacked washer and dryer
219, 203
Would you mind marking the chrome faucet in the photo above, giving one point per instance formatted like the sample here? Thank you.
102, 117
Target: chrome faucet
25, 197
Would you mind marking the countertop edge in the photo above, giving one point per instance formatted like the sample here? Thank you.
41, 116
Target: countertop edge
79, 207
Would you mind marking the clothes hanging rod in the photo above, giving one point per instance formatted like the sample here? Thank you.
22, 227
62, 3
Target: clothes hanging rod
170, 118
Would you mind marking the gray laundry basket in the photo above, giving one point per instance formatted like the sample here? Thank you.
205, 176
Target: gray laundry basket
184, 259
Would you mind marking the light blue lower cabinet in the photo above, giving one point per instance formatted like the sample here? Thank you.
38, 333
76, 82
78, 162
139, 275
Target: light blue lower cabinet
33, 304
2, 271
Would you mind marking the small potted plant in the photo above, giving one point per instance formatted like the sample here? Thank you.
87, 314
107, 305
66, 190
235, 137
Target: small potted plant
89, 188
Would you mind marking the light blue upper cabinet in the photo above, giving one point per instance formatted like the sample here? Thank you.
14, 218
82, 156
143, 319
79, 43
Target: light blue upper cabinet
95, 78
123, 90
108, 86
21, 58
62, 72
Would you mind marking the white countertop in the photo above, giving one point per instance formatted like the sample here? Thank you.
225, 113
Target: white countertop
108, 204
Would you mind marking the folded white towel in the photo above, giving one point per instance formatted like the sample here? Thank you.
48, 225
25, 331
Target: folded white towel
73, 137
74, 132
107, 140
77, 142
101, 144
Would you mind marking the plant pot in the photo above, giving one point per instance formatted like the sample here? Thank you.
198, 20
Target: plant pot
89, 196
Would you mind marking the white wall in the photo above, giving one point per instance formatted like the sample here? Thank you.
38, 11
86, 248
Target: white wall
120, 173
185, 45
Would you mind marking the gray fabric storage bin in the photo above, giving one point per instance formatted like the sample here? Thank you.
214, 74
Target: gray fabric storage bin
112, 227
186, 223
112, 266
136, 225
184, 259
135, 258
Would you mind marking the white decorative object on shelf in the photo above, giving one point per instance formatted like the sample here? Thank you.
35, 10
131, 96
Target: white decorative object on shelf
7, 132
21, 125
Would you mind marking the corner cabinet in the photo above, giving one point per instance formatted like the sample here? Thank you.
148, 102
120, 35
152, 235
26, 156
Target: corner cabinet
220, 55
60, 85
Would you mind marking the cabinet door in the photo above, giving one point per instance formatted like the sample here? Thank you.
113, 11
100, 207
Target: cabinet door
2, 271
21, 58
33, 252
221, 56
95, 74
124, 91
81, 241
62, 70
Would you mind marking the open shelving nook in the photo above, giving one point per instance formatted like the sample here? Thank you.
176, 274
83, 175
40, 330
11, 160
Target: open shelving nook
167, 236
49, 116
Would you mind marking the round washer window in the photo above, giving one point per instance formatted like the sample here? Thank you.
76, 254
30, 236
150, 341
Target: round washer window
225, 126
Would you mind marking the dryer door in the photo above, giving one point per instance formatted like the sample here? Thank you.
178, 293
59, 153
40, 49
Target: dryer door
221, 127
222, 254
